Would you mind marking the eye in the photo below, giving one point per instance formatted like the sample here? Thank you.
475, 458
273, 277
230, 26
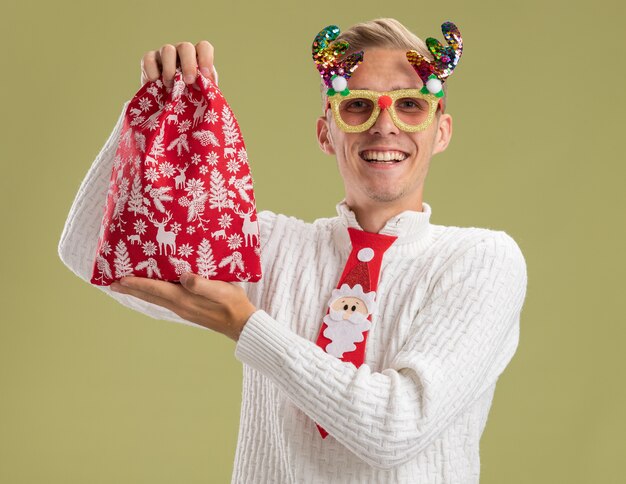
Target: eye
345, 307
357, 105
353, 308
411, 104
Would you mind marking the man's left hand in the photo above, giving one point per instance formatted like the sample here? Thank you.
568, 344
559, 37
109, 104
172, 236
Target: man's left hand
217, 305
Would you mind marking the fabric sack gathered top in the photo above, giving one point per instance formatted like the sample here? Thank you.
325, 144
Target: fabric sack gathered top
181, 195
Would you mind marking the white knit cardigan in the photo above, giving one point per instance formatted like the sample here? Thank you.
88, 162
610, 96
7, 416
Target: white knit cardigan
447, 324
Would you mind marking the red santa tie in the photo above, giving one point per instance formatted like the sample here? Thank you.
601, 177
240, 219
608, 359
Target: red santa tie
347, 323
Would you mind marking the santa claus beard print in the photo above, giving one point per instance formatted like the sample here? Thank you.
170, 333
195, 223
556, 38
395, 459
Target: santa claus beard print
343, 333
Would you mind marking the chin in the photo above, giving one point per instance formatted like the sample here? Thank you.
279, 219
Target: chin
385, 195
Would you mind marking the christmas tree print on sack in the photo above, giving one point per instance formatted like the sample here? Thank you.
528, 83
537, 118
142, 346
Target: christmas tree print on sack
180, 194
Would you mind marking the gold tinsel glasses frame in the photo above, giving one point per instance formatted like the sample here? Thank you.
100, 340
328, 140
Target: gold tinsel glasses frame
336, 100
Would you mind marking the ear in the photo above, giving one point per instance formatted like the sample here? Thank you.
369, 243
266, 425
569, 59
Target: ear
323, 136
443, 134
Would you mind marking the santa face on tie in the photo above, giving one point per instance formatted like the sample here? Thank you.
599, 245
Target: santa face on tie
347, 318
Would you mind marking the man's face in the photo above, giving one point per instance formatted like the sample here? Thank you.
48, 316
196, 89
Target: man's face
396, 184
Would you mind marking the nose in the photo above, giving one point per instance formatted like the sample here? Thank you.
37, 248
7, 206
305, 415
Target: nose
384, 124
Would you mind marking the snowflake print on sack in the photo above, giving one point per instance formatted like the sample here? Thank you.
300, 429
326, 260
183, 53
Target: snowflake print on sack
106, 248
232, 166
184, 126
225, 221
185, 250
145, 104
234, 241
140, 227
149, 248
212, 158
195, 187
167, 169
242, 156
152, 175
180, 195
211, 116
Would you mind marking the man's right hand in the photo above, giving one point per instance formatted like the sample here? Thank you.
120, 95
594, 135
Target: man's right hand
164, 62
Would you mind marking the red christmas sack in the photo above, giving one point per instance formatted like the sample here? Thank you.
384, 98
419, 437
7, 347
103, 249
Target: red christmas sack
180, 196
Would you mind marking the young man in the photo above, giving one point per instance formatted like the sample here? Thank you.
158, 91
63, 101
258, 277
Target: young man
439, 307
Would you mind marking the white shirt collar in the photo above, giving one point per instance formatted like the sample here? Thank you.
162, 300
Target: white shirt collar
410, 226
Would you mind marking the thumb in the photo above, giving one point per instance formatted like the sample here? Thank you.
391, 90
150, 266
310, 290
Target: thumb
199, 285
192, 282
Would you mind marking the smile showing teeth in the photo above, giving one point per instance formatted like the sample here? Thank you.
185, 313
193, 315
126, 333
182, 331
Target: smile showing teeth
383, 156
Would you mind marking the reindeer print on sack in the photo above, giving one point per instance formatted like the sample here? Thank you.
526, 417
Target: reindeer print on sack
250, 229
165, 238
180, 196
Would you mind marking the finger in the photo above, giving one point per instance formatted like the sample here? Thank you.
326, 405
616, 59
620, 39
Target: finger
212, 290
160, 289
188, 62
206, 55
145, 296
168, 64
150, 66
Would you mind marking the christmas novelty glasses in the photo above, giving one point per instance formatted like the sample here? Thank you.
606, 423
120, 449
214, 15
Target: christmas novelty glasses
410, 109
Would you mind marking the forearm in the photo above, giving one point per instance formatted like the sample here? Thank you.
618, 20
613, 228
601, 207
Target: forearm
78, 243
461, 340
378, 416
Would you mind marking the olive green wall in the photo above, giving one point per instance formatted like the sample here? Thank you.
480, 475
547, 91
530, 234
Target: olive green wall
92, 392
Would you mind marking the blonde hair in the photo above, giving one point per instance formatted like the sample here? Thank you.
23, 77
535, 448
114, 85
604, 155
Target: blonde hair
386, 33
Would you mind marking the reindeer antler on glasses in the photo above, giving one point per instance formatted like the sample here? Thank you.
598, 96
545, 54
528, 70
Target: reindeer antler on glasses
434, 73
325, 53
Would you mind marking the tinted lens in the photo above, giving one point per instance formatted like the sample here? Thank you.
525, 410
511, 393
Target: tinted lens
412, 110
356, 111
